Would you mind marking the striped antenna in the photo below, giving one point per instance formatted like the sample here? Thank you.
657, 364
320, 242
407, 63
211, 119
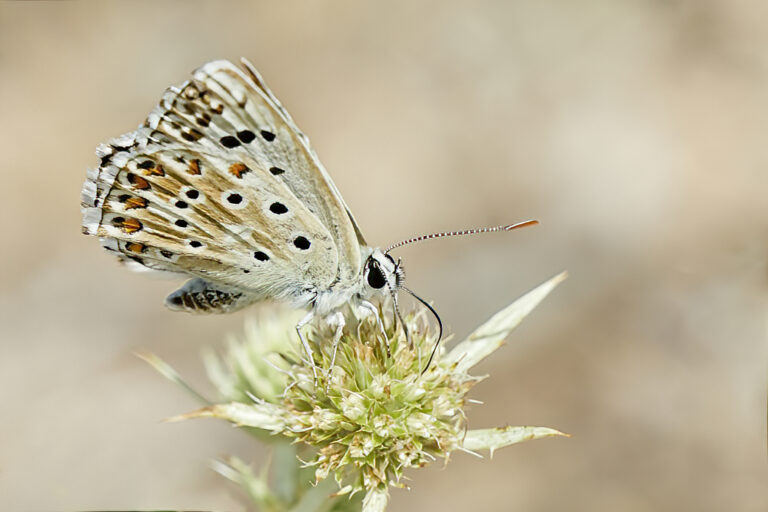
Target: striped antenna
464, 232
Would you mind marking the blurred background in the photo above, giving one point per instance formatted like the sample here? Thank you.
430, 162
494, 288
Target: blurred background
635, 131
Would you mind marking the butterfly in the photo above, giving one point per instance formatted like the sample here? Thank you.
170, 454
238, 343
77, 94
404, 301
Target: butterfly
220, 185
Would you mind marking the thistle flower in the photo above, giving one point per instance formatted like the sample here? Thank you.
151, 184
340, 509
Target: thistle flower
374, 413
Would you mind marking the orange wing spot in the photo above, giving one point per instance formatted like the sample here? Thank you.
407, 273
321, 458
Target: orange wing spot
138, 182
131, 226
155, 171
194, 167
135, 202
135, 247
239, 169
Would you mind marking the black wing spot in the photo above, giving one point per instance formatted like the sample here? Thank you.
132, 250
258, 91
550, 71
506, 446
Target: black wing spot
181, 223
278, 208
261, 256
192, 193
276, 171
235, 198
167, 254
181, 204
268, 136
191, 135
301, 243
123, 198
195, 244
229, 141
146, 164
246, 136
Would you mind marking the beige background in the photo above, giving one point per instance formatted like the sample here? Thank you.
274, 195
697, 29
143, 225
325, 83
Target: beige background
636, 131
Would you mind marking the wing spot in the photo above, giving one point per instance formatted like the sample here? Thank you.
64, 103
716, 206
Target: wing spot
268, 136
276, 171
167, 254
195, 244
181, 223
204, 120
246, 136
235, 198
146, 164
129, 225
229, 141
194, 167
181, 204
135, 202
278, 208
261, 256
192, 193
238, 169
191, 135
135, 247
301, 243
155, 171
138, 182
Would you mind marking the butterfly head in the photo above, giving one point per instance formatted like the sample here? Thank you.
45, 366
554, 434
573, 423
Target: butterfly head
382, 272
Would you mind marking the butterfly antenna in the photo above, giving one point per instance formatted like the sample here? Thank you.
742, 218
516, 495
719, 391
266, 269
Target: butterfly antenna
508, 227
439, 323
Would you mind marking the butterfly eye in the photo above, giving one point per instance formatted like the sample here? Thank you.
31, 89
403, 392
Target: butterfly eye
376, 278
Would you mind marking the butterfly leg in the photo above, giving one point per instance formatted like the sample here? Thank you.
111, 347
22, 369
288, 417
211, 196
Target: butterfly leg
371, 309
304, 321
336, 319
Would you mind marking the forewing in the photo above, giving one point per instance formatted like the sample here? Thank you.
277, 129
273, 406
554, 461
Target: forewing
218, 183
251, 104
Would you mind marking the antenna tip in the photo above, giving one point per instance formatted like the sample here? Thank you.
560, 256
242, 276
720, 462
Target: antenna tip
523, 224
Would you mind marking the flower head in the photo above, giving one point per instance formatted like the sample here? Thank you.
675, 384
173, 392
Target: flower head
375, 412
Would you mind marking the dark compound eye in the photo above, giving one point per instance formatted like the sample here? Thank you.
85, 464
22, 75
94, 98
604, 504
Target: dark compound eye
261, 256
301, 243
278, 208
376, 277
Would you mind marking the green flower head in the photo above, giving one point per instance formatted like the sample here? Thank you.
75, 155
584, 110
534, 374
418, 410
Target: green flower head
375, 412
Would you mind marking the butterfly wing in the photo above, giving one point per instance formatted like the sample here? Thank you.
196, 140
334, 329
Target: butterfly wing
220, 184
